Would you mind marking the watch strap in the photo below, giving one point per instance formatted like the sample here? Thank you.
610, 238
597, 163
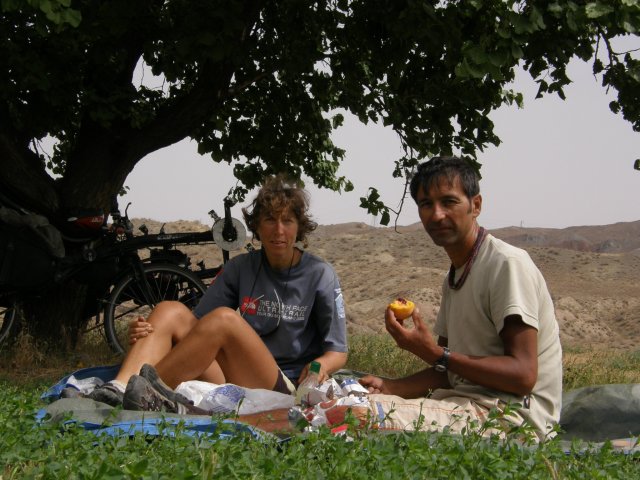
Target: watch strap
442, 364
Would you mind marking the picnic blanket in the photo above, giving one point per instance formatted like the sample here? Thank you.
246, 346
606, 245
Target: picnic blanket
106, 420
594, 414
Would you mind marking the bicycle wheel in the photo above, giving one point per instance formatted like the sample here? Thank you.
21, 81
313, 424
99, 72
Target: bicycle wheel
9, 324
128, 298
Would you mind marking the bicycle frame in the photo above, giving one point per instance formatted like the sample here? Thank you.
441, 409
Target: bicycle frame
112, 256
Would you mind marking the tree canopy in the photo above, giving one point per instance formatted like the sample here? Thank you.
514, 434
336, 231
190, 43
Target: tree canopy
261, 84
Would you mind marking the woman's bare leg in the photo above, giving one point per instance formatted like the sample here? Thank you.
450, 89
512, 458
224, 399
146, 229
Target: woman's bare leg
171, 322
225, 337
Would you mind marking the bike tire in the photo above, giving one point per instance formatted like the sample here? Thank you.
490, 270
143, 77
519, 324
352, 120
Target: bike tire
9, 325
127, 300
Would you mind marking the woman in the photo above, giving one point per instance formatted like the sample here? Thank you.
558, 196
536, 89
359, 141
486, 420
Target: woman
267, 316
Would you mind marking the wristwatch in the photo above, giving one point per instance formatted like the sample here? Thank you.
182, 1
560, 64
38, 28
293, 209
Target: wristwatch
442, 364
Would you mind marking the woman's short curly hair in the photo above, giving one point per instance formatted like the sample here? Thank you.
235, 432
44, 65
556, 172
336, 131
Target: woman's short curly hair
276, 194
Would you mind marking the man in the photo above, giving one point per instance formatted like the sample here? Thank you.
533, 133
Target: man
498, 339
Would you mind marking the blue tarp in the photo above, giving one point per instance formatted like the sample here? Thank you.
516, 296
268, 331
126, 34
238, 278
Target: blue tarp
105, 420
104, 373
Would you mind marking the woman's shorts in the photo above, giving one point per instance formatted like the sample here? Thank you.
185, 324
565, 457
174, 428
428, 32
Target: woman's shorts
284, 385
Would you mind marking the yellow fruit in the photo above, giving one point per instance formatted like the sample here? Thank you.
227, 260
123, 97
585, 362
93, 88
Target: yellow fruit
402, 308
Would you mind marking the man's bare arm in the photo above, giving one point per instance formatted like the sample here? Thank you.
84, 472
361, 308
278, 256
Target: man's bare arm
515, 372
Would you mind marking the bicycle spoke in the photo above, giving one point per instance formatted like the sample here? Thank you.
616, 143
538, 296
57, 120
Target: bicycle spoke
134, 297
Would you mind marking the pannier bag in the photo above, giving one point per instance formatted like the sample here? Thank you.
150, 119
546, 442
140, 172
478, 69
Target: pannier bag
29, 247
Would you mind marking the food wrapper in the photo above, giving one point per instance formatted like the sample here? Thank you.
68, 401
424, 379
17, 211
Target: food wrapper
327, 390
300, 417
223, 398
351, 386
311, 418
321, 414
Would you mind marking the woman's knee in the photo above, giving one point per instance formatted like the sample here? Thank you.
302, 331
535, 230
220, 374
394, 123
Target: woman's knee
172, 316
219, 321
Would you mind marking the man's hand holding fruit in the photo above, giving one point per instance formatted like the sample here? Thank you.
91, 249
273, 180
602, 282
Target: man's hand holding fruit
418, 340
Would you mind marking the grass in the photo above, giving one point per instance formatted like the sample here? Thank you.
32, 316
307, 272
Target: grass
47, 451
584, 367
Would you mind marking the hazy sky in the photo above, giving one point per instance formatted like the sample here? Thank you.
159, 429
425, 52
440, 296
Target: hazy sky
561, 163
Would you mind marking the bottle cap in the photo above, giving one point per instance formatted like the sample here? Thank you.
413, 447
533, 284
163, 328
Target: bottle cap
315, 367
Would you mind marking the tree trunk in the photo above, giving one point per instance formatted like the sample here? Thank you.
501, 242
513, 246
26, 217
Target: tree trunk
56, 319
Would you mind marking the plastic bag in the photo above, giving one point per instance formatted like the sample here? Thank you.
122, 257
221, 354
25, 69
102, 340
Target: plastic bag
228, 397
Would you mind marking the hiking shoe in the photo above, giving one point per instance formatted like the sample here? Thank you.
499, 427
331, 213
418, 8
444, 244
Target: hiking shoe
149, 372
141, 395
106, 393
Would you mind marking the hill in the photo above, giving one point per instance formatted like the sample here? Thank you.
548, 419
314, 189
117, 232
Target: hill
615, 238
593, 273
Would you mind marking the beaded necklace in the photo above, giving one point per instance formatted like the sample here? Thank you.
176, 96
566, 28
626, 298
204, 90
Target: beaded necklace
482, 233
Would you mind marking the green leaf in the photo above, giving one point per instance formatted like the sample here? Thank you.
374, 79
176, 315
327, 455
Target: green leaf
536, 18
46, 7
614, 107
598, 66
348, 186
517, 51
543, 87
636, 164
499, 57
477, 55
461, 71
634, 72
337, 120
472, 71
554, 8
597, 9
503, 32
72, 17
373, 195
571, 21
139, 468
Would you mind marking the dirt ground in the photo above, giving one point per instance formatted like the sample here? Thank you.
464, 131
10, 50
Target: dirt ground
596, 295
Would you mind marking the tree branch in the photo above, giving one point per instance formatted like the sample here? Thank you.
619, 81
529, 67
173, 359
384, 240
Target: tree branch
185, 114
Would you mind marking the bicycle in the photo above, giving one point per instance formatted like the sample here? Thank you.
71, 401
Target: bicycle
128, 299
122, 285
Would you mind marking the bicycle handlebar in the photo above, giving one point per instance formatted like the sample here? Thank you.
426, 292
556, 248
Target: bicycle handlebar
162, 240
231, 233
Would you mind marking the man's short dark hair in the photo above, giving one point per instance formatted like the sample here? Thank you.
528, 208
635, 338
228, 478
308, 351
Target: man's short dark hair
449, 168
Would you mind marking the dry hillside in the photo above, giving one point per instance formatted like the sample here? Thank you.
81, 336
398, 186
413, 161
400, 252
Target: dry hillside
593, 273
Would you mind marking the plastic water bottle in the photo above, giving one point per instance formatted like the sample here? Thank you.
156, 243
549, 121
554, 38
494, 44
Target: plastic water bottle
311, 381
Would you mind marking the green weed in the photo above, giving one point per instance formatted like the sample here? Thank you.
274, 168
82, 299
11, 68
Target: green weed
53, 451
50, 451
